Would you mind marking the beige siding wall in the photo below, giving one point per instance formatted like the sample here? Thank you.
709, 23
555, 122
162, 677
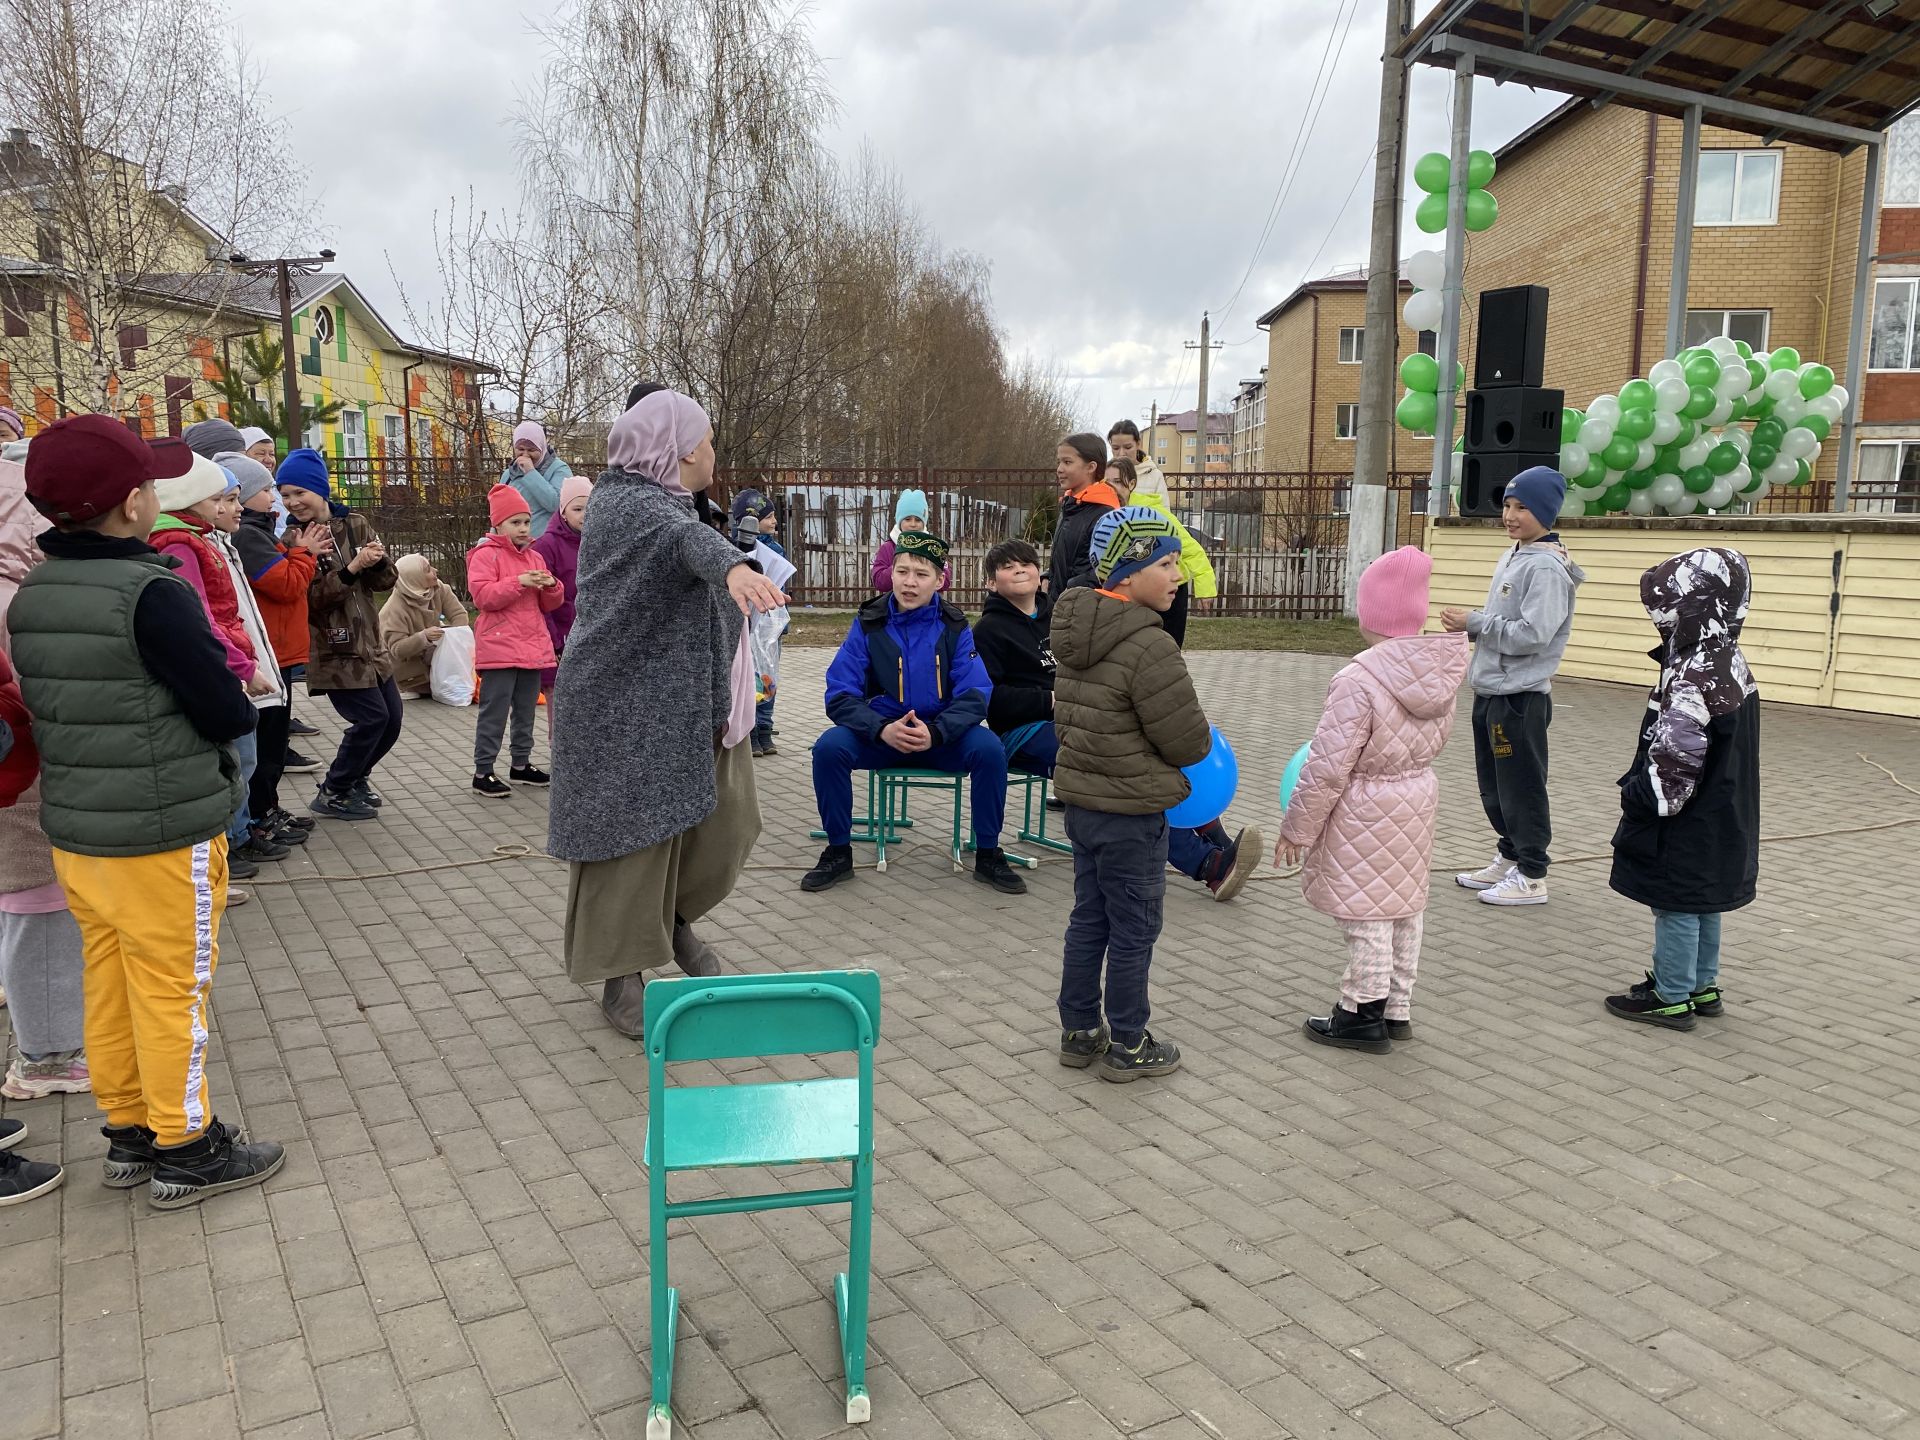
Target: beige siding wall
1866, 658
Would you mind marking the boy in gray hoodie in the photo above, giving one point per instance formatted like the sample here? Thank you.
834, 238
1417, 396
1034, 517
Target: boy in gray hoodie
1518, 639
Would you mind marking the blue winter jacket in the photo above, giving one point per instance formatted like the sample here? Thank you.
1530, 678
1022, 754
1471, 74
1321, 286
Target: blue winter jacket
893, 661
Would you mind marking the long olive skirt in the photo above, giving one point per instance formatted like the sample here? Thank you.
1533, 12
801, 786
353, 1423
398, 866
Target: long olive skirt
620, 912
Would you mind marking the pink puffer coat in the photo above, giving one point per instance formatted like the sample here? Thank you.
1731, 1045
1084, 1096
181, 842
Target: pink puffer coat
1365, 802
511, 631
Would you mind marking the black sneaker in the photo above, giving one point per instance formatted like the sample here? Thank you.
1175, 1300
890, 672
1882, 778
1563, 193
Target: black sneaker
756, 746
260, 846
1399, 1029
301, 727
285, 820
239, 867
364, 792
1641, 1003
834, 865
130, 1156
335, 806
1055, 803
491, 787
221, 1159
298, 764
990, 868
1080, 1048
289, 835
1706, 1002
1149, 1057
12, 1132
528, 775
1364, 1029
22, 1179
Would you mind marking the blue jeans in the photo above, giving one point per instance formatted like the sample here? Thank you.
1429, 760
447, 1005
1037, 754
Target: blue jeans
763, 715
1119, 894
1190, 852
1686, 954
247, 747
840, 752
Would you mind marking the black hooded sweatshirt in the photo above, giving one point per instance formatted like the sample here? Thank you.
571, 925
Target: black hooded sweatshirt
1015, 648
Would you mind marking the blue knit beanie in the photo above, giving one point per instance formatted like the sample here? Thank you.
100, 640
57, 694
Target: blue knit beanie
1541, 490
307, 470
911, 502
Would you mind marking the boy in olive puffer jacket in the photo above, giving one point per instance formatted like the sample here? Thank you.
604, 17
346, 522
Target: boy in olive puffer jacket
1128, 722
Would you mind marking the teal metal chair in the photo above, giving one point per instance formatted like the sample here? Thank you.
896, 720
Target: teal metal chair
795, 1122
1035, 803
886, 817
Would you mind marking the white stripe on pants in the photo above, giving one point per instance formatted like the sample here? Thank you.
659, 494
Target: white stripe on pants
1382, 957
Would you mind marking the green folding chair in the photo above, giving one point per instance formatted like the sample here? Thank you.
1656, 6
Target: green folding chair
794, 1122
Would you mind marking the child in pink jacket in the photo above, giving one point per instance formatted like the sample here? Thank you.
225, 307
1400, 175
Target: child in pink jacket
1362, 813
513, 590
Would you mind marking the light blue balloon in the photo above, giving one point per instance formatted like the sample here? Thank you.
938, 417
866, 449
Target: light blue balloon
1213, 780
1292, 776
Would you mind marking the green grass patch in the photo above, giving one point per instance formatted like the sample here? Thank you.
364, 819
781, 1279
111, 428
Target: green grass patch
1309, 637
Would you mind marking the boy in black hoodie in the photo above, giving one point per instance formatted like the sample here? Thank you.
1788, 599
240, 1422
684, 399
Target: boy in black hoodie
1011, 639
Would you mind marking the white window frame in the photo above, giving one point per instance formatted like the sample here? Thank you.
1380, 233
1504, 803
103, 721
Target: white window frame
1740, 162
422, 437
353, 433
1726, 322
1913, 299
1350, 413
1353, 353
316, 438
1865, 497
393, 430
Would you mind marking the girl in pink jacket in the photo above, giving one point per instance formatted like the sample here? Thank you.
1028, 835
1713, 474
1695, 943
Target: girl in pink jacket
513, 591
1363, 811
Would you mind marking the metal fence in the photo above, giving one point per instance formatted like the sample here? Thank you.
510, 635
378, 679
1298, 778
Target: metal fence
1277, 540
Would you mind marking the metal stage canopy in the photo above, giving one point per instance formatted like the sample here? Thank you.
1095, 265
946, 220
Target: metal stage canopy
1827, 73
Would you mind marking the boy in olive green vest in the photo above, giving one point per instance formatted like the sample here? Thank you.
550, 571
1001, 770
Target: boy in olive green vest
135, 710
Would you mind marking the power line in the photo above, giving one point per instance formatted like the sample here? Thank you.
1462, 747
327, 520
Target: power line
1310, 117
1352, 190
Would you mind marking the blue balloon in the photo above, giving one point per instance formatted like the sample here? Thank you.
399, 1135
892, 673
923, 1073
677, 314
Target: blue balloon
1213, 780
1292, 776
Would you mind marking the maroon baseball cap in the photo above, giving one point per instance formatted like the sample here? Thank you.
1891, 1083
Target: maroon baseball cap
85, 465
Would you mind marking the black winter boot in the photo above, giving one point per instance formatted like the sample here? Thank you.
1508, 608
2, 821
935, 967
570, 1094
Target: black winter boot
1365, 1030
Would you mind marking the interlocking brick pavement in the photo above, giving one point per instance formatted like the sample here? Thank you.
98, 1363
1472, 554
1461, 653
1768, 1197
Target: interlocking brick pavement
1533, 1221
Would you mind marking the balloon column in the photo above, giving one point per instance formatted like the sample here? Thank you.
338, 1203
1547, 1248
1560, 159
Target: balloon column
1715, 426
1419, 407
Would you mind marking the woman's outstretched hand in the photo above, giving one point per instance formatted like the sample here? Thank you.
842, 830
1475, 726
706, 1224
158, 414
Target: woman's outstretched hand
752, 591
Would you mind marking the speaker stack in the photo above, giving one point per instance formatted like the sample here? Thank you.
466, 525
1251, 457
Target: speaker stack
1512, 423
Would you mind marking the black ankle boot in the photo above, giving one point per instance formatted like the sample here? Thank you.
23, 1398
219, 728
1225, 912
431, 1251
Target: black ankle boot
1365, 1030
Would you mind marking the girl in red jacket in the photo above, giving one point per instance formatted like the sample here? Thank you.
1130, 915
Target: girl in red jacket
513, 590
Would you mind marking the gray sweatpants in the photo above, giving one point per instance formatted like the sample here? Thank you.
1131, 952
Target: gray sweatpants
501, 692
41, 969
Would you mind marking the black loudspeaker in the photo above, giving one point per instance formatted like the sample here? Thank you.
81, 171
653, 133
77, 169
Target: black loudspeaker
1512, 347
1519, 417
1483, 478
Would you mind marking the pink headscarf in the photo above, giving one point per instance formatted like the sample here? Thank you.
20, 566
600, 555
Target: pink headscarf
534, 433
653, 437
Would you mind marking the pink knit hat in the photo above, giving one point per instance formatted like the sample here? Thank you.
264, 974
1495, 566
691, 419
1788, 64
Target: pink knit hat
1392, 595
574, 487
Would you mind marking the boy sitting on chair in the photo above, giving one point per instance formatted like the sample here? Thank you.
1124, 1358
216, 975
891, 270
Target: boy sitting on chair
907, 692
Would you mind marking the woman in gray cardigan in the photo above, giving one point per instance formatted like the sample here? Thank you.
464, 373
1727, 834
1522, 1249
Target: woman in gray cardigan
653, 802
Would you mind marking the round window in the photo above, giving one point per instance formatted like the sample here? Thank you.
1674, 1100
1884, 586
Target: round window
323, 326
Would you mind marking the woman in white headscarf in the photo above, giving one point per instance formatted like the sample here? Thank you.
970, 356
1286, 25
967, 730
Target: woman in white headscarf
653, 802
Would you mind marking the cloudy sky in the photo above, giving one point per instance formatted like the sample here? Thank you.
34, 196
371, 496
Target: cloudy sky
1115, 161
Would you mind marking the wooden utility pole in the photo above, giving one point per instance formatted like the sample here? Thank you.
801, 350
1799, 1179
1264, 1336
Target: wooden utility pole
1206, 347
1373, 444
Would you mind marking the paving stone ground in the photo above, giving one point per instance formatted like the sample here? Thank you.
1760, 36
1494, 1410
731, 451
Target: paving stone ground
1532, 1221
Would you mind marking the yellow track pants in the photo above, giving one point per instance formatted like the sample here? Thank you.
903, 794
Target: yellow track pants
149, 927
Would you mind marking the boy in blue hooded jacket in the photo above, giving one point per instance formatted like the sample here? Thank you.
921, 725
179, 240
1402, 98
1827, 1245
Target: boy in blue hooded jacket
907, 691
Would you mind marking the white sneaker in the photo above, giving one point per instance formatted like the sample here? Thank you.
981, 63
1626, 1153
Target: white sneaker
57, 1075
1517, 888
1491, 876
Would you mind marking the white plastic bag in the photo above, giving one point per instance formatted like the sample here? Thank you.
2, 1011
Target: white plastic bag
452, 669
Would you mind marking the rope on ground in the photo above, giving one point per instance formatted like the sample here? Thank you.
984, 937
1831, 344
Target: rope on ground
514, 850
